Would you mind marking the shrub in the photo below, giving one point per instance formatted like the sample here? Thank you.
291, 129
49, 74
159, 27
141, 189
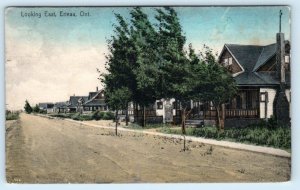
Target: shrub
108, 116
97, 115
12, 116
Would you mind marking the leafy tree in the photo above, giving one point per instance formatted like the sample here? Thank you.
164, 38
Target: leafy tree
143, 36
120, 62
218, 87
117, 100
27, 107
174, 65
36, 109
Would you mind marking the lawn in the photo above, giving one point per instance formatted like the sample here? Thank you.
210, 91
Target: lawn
277, 137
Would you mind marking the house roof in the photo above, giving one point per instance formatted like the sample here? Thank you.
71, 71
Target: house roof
246, 55
92, 94
74, 100
60, 104
95, 102
251, 58
266, 53
46, 105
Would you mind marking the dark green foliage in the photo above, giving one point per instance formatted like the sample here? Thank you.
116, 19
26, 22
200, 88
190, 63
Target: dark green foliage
97, 115
108, 116
36, 109
279, 137
27, 107
11, 115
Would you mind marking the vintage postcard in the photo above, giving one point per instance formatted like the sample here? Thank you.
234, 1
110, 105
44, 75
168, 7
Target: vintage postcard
148, 94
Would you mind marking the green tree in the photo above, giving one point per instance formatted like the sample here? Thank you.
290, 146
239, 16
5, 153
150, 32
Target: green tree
174, 63
27, 107
36, 109
144, 38
218, 87
120, 62
117, 100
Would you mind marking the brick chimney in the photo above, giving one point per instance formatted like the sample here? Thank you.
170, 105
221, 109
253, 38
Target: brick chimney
281, 104
280, 51
96, 88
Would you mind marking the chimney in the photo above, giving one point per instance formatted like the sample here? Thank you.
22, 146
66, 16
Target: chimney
280, 51
96, 88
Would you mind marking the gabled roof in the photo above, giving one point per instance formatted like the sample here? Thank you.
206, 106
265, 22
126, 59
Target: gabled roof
74, 100
93, 101
46, 105
251, 58
246, 55
60, 104
266, 54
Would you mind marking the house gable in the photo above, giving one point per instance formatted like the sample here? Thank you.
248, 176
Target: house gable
229, 61
269, 65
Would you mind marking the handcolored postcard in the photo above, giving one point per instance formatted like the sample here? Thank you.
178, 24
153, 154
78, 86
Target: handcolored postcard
148, 94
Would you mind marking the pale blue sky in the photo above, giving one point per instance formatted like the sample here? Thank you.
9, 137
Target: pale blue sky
58, 56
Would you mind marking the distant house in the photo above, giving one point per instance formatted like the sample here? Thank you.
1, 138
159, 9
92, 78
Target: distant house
75, 103
84, 104
95, 101
262, 74
60, 107
47, 107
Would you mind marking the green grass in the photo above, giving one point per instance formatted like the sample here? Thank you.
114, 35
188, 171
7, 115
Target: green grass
97, 115
278, 137
148, 126
12, 116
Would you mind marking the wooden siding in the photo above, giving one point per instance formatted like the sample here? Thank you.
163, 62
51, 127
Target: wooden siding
234, 68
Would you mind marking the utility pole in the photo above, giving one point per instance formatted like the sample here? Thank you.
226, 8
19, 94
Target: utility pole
280, 14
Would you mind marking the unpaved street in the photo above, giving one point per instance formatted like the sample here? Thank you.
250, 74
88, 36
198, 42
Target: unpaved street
41, 150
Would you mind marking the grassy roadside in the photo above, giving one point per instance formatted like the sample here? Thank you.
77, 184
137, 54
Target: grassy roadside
97, 115
269, 134
12, 116
279, 137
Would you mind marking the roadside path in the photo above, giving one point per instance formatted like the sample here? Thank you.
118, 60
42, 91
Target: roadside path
227, 144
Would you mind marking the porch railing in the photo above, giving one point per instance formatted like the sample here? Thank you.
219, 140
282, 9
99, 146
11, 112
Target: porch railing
247, 113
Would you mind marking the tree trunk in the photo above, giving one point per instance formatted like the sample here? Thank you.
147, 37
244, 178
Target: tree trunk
183, 126
144, 116
116, 122
218, 121
223, 117
136, 113
126, 116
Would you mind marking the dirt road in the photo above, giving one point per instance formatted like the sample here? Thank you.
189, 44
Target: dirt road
41, 150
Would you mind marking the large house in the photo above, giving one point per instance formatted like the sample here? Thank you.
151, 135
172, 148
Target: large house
262, 74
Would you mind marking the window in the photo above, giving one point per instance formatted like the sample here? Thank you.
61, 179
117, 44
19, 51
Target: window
225, 62
159, 105
230, 61
287, 59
